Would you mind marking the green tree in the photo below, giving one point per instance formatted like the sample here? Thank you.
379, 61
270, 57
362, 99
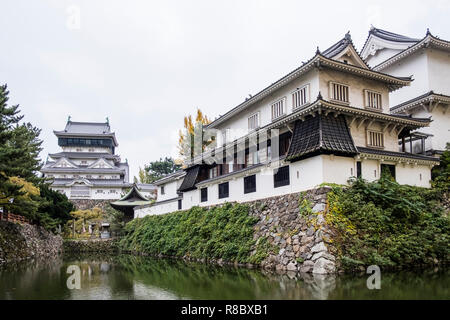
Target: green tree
82, 219
116, 220
19, 162
54, 208
443, 170
157, 169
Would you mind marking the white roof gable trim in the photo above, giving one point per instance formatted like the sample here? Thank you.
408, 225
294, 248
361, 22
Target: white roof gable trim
63, 163
101, 163
80, 181
374, 44
350, 52
424, 43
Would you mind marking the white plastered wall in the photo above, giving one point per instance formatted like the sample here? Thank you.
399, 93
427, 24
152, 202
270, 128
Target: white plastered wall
356, 84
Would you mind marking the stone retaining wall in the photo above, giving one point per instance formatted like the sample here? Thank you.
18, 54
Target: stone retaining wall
23, 241
300, 238
94, 245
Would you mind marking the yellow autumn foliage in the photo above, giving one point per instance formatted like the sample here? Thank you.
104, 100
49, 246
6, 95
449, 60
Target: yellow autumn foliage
28, 189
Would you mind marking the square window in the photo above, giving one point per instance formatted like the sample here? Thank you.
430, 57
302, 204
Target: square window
281, 177
250, 184
224, 190
339, 92
300, 97
373, 100
375, 139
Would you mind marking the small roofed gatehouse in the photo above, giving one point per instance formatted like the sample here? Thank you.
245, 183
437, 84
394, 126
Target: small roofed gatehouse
127, 203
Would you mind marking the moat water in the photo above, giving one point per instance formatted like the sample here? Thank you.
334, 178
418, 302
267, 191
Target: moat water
131, 277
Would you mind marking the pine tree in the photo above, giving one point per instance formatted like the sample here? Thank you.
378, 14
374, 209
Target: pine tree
19, 162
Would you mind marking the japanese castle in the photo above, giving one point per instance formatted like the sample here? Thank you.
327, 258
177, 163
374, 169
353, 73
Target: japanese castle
87, 166
428, 60
339, 115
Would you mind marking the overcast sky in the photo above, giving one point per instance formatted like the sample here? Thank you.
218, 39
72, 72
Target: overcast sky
146, 64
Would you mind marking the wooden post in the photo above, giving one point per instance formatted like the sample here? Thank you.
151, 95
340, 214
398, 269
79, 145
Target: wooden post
410, 144
423, 145
403, 144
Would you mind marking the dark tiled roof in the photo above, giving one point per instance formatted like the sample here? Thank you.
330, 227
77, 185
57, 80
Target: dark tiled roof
95, 182
146, 187
157, 203
396, 154
427, 41
169, 177
190, 179
390, 36
321, 134
425, 120
338, 47
84, 170
87, 127
82, 155
423, 96
133, 195
341, 45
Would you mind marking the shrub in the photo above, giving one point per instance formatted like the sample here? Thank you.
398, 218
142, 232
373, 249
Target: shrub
224, 232
388, 224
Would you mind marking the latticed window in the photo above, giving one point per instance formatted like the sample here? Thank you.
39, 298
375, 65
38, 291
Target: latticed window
375, 139
277, 109
300, 97
253, 121
339, 92
373, 100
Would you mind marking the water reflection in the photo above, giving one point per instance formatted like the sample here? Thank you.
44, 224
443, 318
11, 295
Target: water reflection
131, 277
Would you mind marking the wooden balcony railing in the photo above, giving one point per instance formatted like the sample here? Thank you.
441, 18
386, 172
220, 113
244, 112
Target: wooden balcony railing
13, 218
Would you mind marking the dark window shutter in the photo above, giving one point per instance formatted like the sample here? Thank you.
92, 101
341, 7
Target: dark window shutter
281, 177
250, 184
358, 169
204, 194
223, 190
